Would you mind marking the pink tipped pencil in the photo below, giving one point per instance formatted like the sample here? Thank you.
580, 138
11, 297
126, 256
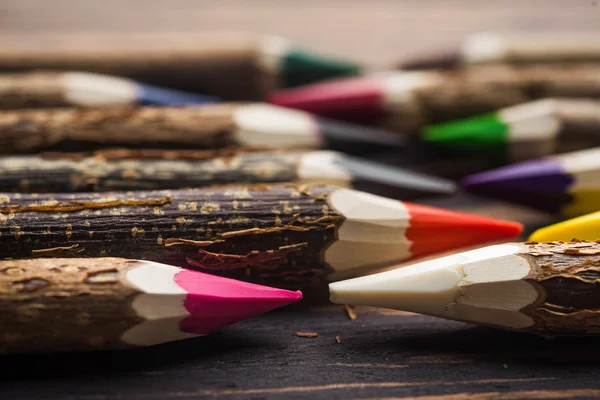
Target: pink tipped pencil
56, 304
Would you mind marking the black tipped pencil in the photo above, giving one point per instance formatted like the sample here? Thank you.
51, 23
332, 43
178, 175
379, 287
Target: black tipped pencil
207, 126
122, 169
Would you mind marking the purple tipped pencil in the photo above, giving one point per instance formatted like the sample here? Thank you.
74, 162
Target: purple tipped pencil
568, 184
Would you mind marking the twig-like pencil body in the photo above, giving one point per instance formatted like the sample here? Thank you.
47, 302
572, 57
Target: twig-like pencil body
208, 126
45, 89
122, 169
409, 100
513, 48
58, 304
547, 288
227, 65
280, 234
525, 131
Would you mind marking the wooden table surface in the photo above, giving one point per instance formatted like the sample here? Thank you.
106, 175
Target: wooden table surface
383, 354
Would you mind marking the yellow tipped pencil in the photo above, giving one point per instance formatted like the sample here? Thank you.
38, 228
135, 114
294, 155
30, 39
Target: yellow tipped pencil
586, 227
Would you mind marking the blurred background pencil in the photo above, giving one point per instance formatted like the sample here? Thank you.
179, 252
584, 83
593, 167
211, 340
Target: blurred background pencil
42, 89
549, 288
511, 48
408, 100
207, 126
295, 235
525, 131
568, 183
58, 304
230, 65
122, 169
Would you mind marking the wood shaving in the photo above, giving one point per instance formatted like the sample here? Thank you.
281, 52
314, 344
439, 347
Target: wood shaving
350, 312
338, 339
307, 334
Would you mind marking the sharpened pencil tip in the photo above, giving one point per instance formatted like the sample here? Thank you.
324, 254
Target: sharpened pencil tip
586, 227
301, 67
477, 132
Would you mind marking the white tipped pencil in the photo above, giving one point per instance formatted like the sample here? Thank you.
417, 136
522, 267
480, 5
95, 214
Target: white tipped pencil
84, 89
547, 288
517, 48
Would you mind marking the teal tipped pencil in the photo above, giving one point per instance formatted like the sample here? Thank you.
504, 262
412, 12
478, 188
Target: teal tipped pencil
550, 289
228, 65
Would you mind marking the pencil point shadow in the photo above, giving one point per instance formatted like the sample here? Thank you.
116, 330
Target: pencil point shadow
487, 344
141, 360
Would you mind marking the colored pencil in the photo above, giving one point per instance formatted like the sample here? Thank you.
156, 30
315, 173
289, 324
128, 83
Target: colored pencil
568, 183
586, 227
207, 126
122, 169
83, 89
281, 234
59, 304
525, 131
409, 100
512, 48
228, 65
549, 288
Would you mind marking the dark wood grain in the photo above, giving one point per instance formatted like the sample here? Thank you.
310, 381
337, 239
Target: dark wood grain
381, 354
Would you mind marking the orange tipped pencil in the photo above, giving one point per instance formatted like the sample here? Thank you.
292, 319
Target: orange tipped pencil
59, 304
293, 235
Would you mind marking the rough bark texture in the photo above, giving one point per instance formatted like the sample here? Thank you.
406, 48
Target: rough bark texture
64, 304
65, 173
568, 275
479, 89
34, 130
273, 234
206, 64
31, 90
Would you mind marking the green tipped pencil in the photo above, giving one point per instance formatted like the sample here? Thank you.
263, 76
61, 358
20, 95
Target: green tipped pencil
525, 131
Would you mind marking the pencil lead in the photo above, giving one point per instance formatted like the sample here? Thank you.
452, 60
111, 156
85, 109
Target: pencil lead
544, 288
214, 302
400, 183
541, 184
302, 67
435, 230
586, 227
521, 132
97, 90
